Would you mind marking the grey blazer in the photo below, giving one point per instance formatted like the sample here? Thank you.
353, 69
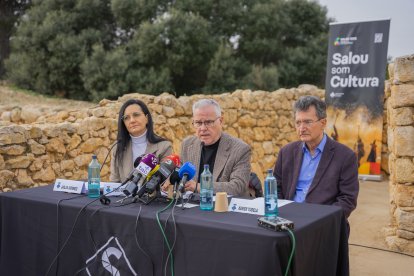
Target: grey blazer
119, 172
232, 165
335, 181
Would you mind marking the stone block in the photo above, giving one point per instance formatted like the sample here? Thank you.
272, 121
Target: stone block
168, 111
46, 175
404, 170
405, 220
268, 147
15, 115
404, 195
405, 234
67, 165
30, 114
12, 135
23, 178
404, 69
82, 160
74, 142
247, 121
56, 145
402, 95
5, 177
403, 141
36, 148
400, 245
20, 162
5, 116
403, 116
34, 132
12, 150
91, 145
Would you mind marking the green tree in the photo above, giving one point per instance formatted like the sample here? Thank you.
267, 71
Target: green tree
10, 10
52, 40
91, 49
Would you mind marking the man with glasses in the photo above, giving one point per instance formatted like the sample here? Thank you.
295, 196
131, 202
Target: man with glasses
316, 169
227, 156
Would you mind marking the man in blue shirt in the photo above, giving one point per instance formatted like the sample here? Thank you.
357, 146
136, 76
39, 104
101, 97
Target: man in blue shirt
316, 169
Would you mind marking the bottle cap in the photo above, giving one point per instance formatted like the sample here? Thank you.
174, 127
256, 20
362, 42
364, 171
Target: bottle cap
269, 171
94, 156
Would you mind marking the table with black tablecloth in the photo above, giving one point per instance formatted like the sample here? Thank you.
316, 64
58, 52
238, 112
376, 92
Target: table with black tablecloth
105, 240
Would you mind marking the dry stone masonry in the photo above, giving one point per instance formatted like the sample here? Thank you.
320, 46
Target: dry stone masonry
60, 145
400, 117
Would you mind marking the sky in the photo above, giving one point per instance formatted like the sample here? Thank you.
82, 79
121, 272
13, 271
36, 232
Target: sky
401, 13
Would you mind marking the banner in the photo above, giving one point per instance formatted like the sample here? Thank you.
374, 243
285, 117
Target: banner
354, 89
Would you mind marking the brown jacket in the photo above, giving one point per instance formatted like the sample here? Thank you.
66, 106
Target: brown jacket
231, 167
119, 172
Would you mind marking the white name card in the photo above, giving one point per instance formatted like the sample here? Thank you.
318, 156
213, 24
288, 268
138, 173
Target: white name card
248, 206
252, 206
111, 188
69, 186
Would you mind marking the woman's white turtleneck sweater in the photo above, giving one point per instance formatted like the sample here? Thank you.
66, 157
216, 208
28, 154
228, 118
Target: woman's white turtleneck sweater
139, 145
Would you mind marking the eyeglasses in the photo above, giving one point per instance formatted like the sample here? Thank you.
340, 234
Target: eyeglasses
206, 123
134, 115
306, 123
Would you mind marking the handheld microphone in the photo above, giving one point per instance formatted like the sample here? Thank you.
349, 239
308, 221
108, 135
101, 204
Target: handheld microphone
186, 172
147, 164
166, 168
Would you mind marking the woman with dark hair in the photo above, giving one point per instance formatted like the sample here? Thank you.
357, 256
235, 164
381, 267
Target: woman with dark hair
136, 136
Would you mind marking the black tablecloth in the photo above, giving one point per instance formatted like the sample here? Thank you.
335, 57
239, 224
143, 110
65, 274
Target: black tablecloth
36, 222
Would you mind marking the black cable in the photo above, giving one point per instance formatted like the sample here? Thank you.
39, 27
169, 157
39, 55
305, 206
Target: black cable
91, 236
175, 236
70, 234
137, 241
57, 216
381, 249
106, 157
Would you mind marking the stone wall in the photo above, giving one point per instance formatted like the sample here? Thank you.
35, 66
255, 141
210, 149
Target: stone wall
400, 105
60, 145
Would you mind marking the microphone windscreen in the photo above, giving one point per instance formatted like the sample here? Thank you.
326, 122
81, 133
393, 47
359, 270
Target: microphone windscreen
147, 164
189, 169
175, 158
138, 160
175, 177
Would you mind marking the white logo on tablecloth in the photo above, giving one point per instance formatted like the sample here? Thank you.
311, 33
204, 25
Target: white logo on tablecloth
109, 258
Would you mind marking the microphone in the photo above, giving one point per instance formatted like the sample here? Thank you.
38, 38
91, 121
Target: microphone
147, 164
103, 198
186, 172
165, 169
175, 177
138, 160
110, 149
175, 158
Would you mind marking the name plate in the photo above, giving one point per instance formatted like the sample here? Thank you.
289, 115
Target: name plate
252, 206
69, 186
111, 188
247, 206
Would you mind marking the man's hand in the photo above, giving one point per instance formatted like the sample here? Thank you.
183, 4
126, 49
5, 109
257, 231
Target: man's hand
191, 186
166, 184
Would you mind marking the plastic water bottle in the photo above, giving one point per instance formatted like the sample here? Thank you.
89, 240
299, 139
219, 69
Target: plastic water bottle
206, 189
270, 196
94, 178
